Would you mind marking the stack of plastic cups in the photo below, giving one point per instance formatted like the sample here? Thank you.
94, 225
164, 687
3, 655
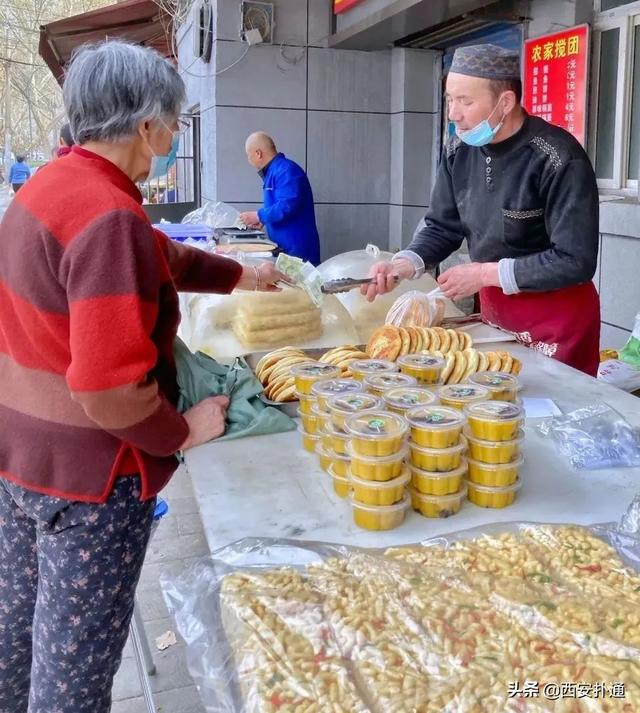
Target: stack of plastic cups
438, 465
305, 376
335, 438
332, 449
378, 473
495, 437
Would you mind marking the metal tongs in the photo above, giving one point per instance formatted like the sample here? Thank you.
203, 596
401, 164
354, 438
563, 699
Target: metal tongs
344, 284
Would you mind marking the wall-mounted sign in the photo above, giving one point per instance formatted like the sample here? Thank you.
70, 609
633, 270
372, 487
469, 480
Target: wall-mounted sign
343, 5
555, 79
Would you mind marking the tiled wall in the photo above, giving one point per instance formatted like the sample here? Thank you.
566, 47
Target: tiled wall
360, 123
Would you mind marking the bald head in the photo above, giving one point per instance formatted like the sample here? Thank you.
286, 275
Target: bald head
260, 149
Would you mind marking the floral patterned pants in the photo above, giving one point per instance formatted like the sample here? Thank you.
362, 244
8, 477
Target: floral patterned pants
68, 574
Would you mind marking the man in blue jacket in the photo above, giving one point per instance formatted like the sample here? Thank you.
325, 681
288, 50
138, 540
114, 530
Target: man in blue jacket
288, 213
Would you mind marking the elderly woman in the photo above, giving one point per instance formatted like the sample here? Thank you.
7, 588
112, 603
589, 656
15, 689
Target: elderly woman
88, 424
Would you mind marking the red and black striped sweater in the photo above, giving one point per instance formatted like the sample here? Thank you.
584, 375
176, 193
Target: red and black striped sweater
88, 316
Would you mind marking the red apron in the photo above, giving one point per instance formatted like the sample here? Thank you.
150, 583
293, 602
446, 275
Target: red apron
563, 324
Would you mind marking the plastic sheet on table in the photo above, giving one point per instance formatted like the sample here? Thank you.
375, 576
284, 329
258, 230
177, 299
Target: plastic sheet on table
456, 624
594, 437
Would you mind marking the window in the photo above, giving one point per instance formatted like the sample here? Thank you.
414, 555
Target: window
615, 107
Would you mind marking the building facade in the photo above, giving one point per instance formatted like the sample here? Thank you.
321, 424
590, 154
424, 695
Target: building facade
356, 99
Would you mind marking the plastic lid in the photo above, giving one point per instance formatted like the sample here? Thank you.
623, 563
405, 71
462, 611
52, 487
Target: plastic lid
407, 397
376, 425
494, 411
313, 436
494, 444
340, 478
329, 430
434, 417
396, 507
330, 387
378, 460
497, 467
402, 479
328, 453
315, 370
389, 380
488, 489
464, 393
372, 366
314, 413
458, 448
353, 403
495, 379
424, 361
439, 499
439, 475
304, 397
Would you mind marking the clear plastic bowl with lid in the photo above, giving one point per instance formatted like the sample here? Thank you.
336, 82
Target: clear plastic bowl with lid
435, 426
341, 483
403, 398
495, 475
328, 458
425, 368
487, 497
459, 395
309, 422
323, 390
307, 374
361, 368
376, 433
437, 505
437, 460
435, 483
502, 387
309, 442
376, 467
387, 492
495, 452
306, 403
494, 420
343, 406
335, 440
379, 517
379, 384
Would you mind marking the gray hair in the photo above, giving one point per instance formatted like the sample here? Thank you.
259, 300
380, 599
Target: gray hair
111, 87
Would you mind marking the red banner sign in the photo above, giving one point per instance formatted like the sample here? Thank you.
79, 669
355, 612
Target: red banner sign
555, 79
343, 5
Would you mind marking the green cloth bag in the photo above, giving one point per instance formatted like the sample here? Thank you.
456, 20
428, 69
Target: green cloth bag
200, 376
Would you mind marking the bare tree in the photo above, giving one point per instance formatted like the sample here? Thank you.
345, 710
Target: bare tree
31, 98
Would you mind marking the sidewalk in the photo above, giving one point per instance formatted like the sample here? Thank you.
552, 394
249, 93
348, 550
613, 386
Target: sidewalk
178, 541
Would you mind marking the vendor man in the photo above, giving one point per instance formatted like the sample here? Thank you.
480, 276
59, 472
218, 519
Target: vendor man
524, 195
288, 213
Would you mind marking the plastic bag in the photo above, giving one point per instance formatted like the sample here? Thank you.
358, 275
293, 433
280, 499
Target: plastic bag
455, 624
594, 437
630, 353
215, 215
417, 309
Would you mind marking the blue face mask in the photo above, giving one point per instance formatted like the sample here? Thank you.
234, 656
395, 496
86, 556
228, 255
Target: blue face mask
481, 134
160, 165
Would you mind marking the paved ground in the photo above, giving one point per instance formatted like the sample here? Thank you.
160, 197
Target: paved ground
178, 541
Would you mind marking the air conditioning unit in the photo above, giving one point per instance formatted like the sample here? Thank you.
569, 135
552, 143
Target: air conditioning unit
256, 17
202, 30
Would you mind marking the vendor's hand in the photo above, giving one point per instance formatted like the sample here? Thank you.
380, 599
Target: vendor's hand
385, 274
250, 219
465, 280
206, 421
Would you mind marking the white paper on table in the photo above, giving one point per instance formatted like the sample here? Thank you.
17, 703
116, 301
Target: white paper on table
540, 408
